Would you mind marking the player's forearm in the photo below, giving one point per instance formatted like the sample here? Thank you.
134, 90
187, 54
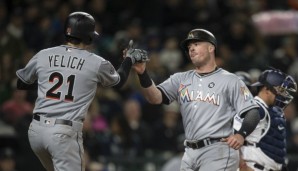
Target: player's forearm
150, 91
152, 94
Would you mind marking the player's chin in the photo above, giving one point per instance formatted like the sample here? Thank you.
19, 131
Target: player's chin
194, 60
198, 63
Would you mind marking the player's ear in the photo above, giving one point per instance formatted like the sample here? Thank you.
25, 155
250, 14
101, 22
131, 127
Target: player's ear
211, 48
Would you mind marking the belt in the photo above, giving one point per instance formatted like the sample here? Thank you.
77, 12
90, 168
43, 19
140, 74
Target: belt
201, 143
258, 166
57, 121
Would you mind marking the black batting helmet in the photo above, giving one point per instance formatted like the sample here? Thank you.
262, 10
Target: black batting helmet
199, 35
281, 84
81, 26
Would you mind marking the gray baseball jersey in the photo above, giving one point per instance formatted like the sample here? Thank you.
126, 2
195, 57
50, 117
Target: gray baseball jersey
209, 102
67, 79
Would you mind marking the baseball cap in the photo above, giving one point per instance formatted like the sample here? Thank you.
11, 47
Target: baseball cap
270, 78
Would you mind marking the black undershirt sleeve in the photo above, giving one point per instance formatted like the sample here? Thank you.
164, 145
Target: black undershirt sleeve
251, 119
23, 86
165, 99
123, 72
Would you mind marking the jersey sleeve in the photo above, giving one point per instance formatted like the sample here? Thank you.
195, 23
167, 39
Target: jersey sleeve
240, 96
29, 73
107, 75
170, 87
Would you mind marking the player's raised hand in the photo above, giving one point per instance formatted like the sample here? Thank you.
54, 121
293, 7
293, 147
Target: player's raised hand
136, 55
139, 67
129, 47
235, 141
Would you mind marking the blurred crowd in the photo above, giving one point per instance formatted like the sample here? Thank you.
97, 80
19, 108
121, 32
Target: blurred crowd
121, 126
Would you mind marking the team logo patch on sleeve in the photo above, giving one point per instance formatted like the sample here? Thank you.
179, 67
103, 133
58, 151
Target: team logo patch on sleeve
246, 93
182, 87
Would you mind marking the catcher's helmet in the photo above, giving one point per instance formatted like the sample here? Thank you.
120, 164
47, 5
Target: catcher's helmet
198, 35
80, 25
245, 77
281, 84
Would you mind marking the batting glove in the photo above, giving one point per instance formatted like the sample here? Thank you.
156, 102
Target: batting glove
136, 55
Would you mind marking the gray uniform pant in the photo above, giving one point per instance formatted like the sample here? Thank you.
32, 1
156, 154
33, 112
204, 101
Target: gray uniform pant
59, 147
215, 157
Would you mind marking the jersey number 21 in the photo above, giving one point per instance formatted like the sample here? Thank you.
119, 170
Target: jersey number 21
52, 93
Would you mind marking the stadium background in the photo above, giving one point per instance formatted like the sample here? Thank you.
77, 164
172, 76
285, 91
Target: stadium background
122, 131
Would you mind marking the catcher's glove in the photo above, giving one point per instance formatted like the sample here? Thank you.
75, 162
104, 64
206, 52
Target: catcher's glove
136, 55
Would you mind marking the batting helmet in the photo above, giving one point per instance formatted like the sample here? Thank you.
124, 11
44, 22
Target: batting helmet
281, 84
81, 26
245, 77
199, 35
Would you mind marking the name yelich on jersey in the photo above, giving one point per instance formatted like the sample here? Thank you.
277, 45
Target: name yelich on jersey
68, 62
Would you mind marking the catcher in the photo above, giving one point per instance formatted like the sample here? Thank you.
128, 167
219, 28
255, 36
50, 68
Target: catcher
265, 148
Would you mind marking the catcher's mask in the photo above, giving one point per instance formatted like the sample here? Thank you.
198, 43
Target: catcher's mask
198, 35
81, 26
280, 84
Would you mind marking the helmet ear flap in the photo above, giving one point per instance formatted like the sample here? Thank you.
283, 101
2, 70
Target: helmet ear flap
87, 39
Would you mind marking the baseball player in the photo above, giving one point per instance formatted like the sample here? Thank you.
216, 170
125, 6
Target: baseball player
66, 77
265, 148
209, 97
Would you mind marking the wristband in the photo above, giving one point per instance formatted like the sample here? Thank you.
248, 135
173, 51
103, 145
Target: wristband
242, 133
145, 79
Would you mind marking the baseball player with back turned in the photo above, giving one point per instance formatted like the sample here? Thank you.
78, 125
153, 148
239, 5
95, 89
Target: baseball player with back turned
66, 78
265, 148
209, 97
